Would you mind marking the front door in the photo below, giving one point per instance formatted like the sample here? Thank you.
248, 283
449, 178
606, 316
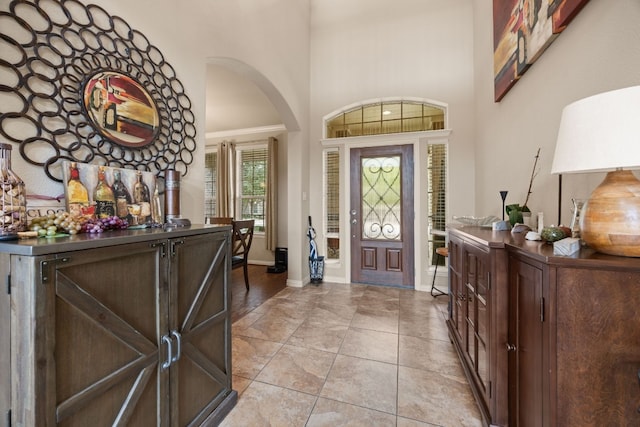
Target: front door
381, 215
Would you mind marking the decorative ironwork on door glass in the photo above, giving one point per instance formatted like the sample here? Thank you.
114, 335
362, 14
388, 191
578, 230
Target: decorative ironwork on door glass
381, 198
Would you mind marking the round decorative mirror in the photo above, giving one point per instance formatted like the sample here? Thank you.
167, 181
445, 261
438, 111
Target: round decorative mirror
121, 109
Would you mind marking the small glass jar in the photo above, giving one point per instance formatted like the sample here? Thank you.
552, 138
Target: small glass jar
13, 206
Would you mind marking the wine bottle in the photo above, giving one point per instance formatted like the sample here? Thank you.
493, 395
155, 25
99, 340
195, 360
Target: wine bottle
77, 194
122, 195
142, 197
103, 196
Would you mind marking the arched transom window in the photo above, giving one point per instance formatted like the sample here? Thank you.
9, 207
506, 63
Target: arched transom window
377, 118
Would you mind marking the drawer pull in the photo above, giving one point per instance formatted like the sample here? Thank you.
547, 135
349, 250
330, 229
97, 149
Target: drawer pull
178, 338
167, 362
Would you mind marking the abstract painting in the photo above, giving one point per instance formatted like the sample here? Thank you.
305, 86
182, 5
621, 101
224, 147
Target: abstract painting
522, 30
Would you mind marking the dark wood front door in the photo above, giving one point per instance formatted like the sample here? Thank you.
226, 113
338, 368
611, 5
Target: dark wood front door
381, 215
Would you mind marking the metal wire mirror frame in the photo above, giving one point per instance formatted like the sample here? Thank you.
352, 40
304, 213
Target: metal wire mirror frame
52, 48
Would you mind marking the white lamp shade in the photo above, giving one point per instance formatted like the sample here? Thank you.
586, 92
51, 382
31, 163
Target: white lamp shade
600, 133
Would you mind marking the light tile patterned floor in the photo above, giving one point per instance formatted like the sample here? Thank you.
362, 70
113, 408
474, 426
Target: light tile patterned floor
348, 355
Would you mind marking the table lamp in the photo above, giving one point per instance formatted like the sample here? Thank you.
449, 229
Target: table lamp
601, 133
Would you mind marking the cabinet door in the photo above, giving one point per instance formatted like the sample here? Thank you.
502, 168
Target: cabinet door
457, 289
199, 313
477, 276
5, 341
526, 345
100, 327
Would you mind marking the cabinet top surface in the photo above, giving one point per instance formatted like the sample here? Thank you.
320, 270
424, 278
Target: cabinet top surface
541, 251
44, 246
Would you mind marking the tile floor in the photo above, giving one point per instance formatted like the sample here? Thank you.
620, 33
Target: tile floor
348, 355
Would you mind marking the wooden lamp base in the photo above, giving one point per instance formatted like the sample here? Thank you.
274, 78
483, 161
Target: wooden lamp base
610, 221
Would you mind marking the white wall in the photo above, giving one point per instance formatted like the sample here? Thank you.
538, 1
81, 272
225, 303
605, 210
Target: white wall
366, 49
598, 51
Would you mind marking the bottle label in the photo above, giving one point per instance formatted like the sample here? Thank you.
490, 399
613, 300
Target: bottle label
172, 185
121, 207
105, 208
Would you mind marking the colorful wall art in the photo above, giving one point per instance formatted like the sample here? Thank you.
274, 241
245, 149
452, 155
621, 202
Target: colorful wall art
522, 30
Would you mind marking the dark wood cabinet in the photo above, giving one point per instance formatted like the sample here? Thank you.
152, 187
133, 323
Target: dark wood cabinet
135, 331
571, 352
475, 299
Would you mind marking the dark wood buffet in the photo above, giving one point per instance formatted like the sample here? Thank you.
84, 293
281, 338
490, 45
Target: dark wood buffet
128, 328
545, 340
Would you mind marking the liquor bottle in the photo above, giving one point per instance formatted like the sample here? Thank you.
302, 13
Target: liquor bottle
142, 197
122, 195
77, 193
103, 196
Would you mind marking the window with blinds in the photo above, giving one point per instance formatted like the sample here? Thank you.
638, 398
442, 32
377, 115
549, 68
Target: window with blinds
210, 183
332, 202
437, 195
252, 184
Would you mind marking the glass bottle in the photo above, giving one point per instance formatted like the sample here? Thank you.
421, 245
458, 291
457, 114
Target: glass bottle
156, 208
103, 196
142, 197
578, 204
14, 201
77, 194
122, 195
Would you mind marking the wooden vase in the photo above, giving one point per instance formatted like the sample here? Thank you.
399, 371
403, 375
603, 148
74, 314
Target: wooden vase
611, 217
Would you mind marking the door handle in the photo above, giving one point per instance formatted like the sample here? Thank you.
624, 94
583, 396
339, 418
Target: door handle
178, 338
167, 363
511, 347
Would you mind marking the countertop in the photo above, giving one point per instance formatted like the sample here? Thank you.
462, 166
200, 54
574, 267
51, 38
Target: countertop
82, 241
541, 251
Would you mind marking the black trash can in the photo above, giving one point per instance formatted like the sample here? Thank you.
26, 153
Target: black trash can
316, 268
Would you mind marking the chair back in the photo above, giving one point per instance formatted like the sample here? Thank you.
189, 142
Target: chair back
242, 237
226, 220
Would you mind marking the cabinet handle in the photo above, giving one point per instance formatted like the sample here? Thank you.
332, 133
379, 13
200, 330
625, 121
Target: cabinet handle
511, 347
178, 338
167, 362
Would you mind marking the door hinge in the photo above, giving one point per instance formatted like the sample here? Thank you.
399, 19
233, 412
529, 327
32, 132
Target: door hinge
489, 280
490, 389
162, 248
175, 243
8, 284
44, 267
542, 309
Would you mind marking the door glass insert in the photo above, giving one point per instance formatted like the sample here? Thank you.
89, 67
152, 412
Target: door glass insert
381, 198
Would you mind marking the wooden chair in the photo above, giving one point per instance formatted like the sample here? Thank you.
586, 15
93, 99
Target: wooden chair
242, 236
226, 220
